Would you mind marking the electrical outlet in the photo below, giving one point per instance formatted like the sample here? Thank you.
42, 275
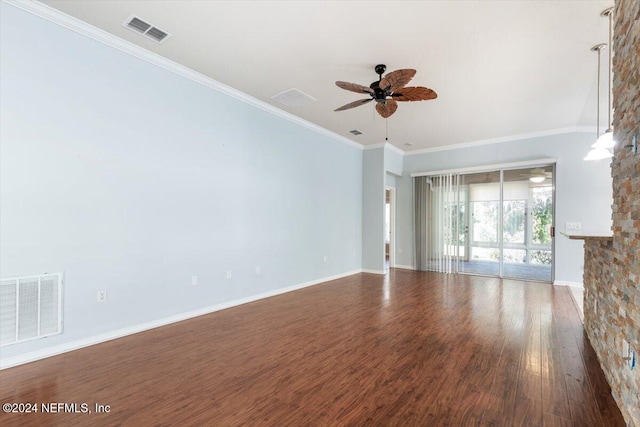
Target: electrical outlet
102, 296
399, 250
194, 280
326, 258
257, 269
229, 274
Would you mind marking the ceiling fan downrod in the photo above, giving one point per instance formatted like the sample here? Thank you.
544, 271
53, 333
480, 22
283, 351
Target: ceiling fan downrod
379, 95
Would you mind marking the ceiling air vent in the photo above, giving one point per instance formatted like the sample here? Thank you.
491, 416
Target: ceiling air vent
157, 34
355, 132
146, 29
293, 98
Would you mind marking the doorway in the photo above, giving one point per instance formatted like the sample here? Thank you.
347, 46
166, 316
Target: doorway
390, 228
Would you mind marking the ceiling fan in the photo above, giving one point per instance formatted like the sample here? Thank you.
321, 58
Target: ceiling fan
536, 175
387, 91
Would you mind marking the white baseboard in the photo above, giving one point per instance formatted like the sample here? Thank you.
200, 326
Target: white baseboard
366, 270
33, 356
578, 285
405, 267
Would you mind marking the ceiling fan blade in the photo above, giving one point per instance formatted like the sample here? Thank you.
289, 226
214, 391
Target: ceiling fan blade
396, 79
386, 109
354, 104
354, 87
414, 93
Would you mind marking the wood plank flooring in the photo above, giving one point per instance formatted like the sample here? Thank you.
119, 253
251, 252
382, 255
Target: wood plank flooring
408, 349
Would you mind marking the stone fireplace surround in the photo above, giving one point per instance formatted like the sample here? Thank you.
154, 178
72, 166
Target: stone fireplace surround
612, 266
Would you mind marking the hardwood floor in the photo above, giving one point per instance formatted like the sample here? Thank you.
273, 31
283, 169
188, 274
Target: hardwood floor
409, 349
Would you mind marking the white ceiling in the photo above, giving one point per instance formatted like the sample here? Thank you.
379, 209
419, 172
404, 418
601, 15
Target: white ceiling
500, 68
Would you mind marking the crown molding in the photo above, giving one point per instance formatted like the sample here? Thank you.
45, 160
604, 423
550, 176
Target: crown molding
374, 146
386, 145
516, 137
560, 131
53, 15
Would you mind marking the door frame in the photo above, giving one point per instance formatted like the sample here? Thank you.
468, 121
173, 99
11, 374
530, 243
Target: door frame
501, 167
392, 225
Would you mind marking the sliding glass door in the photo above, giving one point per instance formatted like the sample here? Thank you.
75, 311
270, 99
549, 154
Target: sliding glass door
484, 224
496, 223
527, 224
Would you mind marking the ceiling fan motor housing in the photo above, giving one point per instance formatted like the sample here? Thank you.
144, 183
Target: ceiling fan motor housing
378, 94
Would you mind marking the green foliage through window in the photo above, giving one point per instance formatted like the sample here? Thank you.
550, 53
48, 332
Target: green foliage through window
542, 215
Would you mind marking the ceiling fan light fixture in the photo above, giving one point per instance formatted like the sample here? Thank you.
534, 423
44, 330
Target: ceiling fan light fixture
537, 179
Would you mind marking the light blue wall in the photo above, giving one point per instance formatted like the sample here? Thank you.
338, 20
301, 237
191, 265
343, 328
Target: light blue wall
390, 180
583, 189
392, 161
132, 179
380, 167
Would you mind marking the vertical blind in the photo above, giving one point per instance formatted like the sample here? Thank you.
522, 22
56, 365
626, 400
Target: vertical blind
437, 222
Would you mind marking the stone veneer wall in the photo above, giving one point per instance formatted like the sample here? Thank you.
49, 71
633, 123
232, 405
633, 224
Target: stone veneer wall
612, 269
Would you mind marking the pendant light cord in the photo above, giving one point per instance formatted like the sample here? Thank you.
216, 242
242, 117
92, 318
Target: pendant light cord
609, 124
386, 134
598, 91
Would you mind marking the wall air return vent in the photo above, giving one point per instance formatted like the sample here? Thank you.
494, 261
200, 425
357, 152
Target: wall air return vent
146, 29
293, 98
30, 307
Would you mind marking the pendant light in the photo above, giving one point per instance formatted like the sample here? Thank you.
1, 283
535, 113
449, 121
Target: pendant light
606, 139
597, 153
